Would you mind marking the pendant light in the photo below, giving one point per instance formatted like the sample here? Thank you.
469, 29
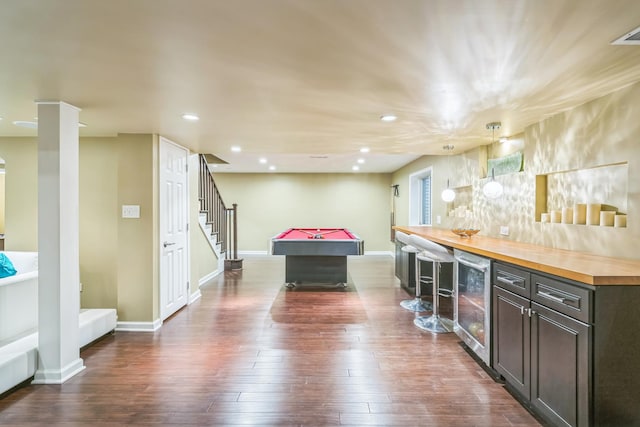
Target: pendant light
448, 195
493, 189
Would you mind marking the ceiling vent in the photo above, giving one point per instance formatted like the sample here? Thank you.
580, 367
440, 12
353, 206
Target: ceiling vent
632, 37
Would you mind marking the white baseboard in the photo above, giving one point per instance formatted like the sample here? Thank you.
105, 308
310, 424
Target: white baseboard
195, 296
253, 253
387, 253
58, 376
377, 253
208, 277
139, 326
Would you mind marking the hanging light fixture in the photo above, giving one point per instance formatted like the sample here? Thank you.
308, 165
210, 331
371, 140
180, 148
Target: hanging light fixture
448, 195
493, 189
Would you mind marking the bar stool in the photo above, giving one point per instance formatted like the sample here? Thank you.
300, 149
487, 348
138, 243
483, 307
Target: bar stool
416, 304
439, 255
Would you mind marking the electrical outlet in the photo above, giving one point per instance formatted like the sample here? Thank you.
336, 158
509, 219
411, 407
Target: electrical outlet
504, 230
438, 219
130, 211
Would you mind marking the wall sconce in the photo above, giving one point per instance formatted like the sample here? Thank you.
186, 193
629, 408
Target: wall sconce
492, 189
448, 195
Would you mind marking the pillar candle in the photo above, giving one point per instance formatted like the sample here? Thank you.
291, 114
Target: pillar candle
544, 217
579, 213
556, 216
620, 221
567, 216
593, 213
607, 218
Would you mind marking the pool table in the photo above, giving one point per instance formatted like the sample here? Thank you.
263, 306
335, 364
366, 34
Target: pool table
316, 255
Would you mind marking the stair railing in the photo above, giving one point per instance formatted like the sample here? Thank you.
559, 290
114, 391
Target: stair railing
223, 220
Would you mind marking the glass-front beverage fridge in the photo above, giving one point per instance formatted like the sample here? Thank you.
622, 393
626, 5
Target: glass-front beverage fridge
471, 316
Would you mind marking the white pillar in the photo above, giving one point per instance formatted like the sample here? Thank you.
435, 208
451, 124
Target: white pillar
58, 259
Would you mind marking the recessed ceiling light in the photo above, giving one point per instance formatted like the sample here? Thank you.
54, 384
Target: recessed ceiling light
364, 150
355, 168
361, 161
26, 124
388, 117
34, 124
263, 160
236, 149
272, 168
191, 117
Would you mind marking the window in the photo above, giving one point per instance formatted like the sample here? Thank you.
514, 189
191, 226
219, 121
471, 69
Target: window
420, 197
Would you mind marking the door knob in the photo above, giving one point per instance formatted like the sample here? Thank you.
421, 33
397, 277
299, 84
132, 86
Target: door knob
165, 244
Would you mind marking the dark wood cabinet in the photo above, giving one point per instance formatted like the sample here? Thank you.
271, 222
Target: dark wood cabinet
542, 353
559, 367
512, 339
566, 347
584, 329
405, 268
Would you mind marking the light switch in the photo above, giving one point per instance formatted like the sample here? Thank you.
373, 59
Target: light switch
130, 211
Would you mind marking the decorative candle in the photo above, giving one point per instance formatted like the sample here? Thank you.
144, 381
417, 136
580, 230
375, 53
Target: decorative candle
579, 213
544, 217
620, 220
593, 213
567, 216
556, 216
606, 218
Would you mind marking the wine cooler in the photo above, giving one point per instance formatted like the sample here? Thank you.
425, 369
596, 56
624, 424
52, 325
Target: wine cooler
471, 316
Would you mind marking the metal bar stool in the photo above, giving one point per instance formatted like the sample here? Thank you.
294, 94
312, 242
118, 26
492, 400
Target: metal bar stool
416, 304
439, 255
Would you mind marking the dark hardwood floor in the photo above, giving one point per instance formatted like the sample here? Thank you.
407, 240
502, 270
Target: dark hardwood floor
250, 352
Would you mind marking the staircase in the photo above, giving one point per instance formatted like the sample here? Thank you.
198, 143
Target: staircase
212, 237
218, 222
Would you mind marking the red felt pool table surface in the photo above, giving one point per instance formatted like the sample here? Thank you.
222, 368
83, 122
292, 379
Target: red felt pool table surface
309, 233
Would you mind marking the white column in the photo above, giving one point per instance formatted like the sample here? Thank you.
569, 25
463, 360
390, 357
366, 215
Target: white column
58, 259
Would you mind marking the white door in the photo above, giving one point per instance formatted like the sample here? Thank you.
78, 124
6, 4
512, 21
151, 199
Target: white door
174, 214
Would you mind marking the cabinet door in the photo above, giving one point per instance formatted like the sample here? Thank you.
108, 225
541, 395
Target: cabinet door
400, 261
405, 266
511, 339
560, 367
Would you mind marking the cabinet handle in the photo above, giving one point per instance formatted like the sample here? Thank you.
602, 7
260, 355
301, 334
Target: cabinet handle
512, 282
521, 310
531, 312
552, 297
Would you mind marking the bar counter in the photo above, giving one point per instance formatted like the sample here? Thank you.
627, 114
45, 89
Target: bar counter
578, 266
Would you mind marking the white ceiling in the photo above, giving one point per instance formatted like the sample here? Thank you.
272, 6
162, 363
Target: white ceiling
294, 80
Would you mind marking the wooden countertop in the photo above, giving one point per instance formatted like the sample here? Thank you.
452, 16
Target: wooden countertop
578, 266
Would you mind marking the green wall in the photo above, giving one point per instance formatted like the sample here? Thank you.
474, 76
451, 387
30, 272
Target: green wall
118, 257
273, 202
21, 193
